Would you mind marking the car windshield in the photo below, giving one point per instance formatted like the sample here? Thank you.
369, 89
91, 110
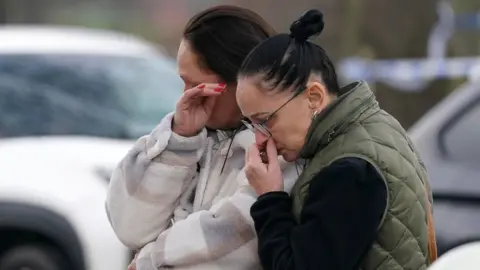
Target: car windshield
93, 95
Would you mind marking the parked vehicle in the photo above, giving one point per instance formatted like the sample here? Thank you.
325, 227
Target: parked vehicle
71, 102
448, 138
464, 257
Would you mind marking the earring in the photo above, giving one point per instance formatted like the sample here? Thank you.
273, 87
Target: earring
314, 114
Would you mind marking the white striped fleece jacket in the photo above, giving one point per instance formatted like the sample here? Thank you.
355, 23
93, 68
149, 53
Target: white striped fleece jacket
159, 203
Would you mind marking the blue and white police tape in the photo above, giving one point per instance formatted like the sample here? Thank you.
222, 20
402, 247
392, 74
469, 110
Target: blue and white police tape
408, 69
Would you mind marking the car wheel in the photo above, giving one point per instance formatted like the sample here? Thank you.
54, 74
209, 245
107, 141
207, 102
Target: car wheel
32, 257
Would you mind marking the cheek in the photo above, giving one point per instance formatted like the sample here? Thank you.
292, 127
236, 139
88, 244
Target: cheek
291, 130
187, 86
282, 132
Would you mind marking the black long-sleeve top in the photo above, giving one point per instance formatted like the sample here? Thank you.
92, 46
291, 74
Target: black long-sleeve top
339, 220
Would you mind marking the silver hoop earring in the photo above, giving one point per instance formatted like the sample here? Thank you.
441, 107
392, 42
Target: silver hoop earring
314, 114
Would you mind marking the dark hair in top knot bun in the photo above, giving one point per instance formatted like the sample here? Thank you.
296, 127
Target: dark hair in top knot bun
308, 25
285, 62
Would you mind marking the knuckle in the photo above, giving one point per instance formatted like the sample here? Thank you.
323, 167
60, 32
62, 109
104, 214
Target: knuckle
249, 173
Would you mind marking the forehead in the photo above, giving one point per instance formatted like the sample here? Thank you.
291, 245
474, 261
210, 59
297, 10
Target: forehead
252, 98
189, 65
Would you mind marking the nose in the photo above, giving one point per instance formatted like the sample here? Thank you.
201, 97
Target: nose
260, 138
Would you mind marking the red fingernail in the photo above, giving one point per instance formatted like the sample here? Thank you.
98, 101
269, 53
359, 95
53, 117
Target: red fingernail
221, 84
219, 89
201, 86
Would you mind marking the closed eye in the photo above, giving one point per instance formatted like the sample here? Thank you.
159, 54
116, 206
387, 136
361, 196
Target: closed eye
255, 120
261, 120
260, 117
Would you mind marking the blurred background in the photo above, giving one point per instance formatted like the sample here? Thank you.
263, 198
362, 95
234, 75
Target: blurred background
373, 29
106, 69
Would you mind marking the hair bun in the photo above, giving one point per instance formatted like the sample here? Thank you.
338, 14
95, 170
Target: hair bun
308, 25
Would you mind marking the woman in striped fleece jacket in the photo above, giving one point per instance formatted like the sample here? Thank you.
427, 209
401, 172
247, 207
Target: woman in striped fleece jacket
180, 195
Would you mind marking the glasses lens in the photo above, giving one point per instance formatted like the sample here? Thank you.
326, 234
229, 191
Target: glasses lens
262, 129
257, 127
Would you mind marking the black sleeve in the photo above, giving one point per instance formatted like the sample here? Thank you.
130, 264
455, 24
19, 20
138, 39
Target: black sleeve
339, 220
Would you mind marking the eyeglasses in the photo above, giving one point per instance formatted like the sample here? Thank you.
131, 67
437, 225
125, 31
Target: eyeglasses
262, 126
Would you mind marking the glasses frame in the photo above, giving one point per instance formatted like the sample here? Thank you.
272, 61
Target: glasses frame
262, 126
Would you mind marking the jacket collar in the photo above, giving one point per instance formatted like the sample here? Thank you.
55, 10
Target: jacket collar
337, 116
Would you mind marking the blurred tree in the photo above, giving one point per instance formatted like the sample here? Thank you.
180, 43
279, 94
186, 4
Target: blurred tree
350, 40
466, 43
3, 11
400, 29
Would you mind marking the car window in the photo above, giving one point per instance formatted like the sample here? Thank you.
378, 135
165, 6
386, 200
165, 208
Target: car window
462, 139
106, 96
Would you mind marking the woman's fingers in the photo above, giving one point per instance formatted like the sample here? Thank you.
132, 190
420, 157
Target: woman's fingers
254, 154
271, 149
205, 90
247, 155
214, 87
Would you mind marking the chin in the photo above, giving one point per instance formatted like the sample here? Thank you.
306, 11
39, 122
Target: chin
289, 157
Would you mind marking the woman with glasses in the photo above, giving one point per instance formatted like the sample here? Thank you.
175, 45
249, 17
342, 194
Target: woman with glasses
362, 200
180, 195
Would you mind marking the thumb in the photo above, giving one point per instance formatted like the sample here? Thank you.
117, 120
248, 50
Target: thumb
271, 150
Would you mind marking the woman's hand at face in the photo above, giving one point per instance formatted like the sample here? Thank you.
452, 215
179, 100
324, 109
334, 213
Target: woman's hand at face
195, 108
132, 265
261, 176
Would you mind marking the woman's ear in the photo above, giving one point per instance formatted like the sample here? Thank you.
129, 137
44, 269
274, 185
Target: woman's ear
316, 94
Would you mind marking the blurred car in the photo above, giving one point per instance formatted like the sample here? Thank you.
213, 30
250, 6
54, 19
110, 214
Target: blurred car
71, 102
464, 257
448, 138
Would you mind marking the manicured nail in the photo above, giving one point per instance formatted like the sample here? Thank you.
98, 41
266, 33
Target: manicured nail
221, 84
201, 86
219, 89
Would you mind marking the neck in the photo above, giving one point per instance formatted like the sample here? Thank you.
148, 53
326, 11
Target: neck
232, 122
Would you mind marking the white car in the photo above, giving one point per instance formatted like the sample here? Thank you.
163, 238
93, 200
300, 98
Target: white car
464, 257
448, 139
72, 101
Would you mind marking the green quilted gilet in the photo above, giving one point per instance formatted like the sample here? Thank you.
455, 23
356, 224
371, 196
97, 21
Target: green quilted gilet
355, 126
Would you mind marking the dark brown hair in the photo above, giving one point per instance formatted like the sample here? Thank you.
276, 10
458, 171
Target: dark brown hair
222, 36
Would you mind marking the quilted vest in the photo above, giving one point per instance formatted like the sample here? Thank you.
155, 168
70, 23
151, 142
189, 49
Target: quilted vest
355, 126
